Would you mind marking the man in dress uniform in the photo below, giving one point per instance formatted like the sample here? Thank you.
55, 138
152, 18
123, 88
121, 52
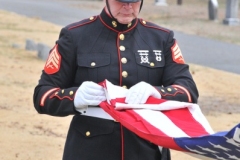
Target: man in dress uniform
125, 50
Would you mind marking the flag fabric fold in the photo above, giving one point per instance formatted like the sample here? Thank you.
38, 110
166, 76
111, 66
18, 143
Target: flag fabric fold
172, 124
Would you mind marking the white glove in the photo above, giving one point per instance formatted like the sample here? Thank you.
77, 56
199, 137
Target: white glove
89, 93
139, 93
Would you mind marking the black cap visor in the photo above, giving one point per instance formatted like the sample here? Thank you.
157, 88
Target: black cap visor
128, 1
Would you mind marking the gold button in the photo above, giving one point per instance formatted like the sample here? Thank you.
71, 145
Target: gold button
62, 91
144, 22
129, 24
71, 92
122, 48
124, 74
162, 90
121, 36
91, 18
124, 87
93, 64
169, 89
88, 133
114, 23
152, 64
124, 60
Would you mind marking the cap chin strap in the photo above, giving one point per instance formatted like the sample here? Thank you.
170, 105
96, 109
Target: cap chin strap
108, 7
110, 10
141, 6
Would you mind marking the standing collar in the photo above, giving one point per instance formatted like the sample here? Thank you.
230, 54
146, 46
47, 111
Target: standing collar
115, 25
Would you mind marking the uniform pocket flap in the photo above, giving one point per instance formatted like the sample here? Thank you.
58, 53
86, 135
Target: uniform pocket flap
92, 127
93, 60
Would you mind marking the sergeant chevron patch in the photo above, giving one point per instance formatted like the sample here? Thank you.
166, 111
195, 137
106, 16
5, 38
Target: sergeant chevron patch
177, 54
53, 62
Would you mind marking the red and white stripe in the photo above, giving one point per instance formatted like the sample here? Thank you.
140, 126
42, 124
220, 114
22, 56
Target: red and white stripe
158, 120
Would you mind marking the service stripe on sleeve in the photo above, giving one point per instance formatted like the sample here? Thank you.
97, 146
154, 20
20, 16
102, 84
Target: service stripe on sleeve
45, 96
185, 90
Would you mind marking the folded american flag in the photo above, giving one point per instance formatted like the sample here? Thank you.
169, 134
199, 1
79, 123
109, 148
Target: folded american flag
172, 124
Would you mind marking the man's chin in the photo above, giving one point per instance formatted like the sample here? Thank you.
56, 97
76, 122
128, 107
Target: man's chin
125, 21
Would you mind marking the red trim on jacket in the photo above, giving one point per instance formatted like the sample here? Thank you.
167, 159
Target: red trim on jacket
117, 30
42, 101
82, 24
61, 98
170, 94
154, 27
185, 90
119, 61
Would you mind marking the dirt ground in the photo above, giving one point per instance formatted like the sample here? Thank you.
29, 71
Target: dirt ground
26, 135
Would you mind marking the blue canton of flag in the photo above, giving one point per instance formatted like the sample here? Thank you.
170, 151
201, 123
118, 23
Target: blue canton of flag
221, 145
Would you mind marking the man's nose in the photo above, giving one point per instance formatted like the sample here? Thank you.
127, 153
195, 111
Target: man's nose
127, 5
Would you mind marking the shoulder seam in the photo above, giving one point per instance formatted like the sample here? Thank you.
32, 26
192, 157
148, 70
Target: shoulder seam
79, 25
154, 27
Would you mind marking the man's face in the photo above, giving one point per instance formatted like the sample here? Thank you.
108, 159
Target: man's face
124, 12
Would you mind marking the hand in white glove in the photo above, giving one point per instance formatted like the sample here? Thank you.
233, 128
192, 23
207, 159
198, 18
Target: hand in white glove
139, 93
89, 93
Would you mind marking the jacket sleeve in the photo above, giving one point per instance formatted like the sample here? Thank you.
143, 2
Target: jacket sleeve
54, 92
177, 80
